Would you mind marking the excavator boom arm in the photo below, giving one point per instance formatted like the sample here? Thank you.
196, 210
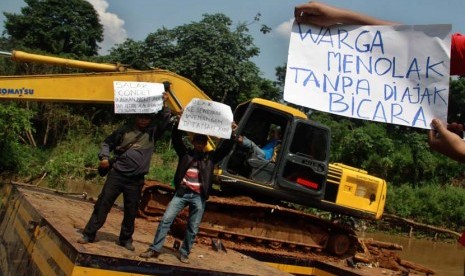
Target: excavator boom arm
94, 87
86, 65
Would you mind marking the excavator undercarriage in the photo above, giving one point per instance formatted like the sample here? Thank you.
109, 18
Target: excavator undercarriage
250, 226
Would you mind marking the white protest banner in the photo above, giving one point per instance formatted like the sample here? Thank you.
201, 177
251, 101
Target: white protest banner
138, 97
390, 74
207, 117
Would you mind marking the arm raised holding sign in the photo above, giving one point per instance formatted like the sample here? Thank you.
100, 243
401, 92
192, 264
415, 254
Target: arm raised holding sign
323, 15
441, 139
447, 140
192, 181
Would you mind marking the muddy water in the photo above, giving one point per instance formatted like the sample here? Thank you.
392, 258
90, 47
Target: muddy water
91, 189
444, 258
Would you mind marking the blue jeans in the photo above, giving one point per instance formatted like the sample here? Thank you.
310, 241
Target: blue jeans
196, 208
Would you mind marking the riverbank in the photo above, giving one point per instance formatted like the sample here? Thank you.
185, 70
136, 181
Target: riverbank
395, 225
445, 258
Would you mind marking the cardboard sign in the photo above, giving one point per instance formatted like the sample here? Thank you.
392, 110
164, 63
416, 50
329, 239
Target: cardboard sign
138, 97
207, 117
390, 74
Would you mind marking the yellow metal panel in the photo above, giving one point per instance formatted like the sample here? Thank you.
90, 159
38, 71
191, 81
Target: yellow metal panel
344, 166
300, 270
382, 200
43, 247
22, 233
24, 214
356, 189
41, 262
49, 247
7, 191
86, 271
27, 57
36, 255
290, 110
319, 272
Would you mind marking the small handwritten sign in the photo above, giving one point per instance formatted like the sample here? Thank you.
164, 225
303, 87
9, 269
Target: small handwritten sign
207, 117
138, 97
390, 74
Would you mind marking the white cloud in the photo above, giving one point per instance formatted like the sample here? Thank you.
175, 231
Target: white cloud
113, 26
284, 29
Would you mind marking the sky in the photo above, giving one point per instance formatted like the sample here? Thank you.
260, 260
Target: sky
136, 19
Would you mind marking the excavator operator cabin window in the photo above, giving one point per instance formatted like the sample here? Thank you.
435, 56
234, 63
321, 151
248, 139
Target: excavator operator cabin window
256, 123
305, 164
261, 122
311, 142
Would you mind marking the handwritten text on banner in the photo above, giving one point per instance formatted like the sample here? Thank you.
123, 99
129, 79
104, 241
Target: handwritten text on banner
207, 117
391, 74
138, 97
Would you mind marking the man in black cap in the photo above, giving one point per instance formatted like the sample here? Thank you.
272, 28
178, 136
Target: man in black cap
133, 147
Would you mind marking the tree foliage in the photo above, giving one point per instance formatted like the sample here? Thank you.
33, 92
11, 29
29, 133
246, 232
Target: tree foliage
56, 26
14, 124
441, 205
457, 101
67, 28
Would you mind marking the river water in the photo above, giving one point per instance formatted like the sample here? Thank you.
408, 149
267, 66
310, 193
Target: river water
446, 259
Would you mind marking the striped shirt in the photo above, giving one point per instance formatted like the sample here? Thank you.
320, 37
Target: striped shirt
191, 178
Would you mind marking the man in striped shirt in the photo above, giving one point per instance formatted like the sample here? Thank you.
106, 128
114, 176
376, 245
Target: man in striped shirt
192, 180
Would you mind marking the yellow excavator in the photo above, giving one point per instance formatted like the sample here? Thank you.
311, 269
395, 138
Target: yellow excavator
301, 173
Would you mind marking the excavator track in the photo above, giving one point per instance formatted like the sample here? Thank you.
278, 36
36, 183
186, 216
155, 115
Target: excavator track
251, 226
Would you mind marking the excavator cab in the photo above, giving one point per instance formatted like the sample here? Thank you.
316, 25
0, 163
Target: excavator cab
300, 172
299, 163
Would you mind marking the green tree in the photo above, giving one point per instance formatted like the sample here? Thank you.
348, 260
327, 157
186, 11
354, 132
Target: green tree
68, 28
212, 53
456, 101
280, 73
14, 125
56, 26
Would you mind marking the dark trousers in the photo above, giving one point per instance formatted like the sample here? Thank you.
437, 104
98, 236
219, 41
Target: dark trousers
115, 184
